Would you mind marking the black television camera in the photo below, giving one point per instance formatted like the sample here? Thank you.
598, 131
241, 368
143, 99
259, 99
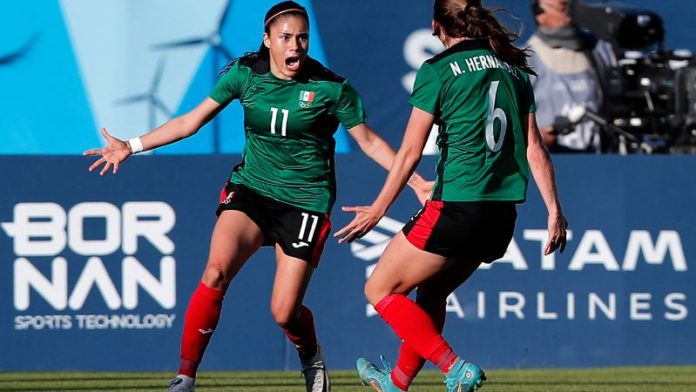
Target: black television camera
651, 93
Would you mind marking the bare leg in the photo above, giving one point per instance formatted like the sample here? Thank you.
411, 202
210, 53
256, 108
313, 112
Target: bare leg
296, 320
401, 268
235, 238
431, 296
289, 287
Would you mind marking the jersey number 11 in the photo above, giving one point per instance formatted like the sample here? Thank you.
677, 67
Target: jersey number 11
274, 119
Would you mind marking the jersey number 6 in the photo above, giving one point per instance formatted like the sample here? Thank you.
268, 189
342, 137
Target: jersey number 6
492, 114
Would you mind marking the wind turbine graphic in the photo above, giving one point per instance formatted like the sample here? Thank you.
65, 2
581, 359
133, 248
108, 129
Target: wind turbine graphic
219, 52
154, 102
19, 53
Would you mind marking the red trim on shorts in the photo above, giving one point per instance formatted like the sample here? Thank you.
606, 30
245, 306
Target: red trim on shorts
224, 194
323, 235
424, 226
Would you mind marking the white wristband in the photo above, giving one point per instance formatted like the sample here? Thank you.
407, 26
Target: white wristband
136, 145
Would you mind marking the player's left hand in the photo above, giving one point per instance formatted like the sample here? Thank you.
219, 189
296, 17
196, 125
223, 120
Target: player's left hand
366, 217
557, 229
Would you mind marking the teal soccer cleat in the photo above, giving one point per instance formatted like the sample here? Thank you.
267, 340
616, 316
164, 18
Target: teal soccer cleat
464, 376
379, 379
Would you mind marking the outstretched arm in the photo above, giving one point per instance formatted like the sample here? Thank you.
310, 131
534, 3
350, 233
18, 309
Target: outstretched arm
542, 169
117, 151
381, 152
405, 161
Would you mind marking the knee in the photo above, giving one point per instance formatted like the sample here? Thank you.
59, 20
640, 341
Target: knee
284, 316
215, 277
374, 292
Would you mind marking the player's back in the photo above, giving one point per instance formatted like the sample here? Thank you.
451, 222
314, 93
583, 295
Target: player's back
481, 102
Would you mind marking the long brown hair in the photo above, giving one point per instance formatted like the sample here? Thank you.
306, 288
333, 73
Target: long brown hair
468, 18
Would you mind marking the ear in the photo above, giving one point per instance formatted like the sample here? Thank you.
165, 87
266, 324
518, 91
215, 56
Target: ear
436, 29
266, 41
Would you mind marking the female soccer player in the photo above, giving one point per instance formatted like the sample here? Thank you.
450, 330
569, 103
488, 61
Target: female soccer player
282, 191
478, 92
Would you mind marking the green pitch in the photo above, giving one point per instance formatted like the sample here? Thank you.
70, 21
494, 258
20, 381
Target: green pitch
664, 379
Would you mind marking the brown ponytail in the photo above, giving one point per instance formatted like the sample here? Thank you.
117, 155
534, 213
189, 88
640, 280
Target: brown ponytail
467, 18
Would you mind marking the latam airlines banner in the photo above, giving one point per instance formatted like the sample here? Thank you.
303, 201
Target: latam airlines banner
96, 272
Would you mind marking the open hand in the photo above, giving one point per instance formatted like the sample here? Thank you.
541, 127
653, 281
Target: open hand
115, 152
366, 217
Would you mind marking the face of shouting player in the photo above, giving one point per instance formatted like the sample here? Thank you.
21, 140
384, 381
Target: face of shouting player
288, 43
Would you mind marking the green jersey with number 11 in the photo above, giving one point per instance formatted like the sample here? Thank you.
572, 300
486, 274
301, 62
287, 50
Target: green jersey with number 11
479, 103
289, 127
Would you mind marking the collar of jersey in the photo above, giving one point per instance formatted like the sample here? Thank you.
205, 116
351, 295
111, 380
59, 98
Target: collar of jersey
274, 79
470, 44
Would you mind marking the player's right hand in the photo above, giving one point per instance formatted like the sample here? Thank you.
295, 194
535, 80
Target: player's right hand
115, 152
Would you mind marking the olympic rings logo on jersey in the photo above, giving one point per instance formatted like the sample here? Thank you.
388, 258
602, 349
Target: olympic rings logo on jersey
306, 99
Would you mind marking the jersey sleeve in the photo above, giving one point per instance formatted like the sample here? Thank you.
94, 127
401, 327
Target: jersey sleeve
426, 89
349, 108
229, 86
528, 100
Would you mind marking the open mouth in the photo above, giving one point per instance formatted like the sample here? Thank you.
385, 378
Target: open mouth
293, 63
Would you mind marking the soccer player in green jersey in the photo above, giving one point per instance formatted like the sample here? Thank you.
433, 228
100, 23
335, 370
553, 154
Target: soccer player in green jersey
282, 191
479, 94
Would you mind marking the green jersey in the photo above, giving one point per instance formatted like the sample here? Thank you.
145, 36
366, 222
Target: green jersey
289, 127
479, 103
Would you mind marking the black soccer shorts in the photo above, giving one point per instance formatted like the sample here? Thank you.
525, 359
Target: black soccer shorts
300, 233
472, 231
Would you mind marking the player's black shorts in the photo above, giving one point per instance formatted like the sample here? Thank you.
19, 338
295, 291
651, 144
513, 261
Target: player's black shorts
300, 233
473, 231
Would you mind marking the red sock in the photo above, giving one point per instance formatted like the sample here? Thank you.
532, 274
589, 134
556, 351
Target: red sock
416, 329
303, 335
409, 363
201, 319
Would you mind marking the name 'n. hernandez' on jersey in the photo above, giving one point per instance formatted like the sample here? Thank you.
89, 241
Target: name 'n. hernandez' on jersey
479, 103
289, 127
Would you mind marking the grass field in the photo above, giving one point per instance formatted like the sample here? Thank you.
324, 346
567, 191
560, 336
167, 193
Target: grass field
638, 379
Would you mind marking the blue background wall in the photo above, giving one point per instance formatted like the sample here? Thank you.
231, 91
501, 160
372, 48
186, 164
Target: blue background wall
610, 202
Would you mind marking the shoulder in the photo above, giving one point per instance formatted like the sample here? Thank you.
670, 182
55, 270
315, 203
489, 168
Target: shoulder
316, 71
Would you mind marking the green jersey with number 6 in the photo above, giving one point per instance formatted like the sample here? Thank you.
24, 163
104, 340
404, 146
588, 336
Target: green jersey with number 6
289, 127
479, 103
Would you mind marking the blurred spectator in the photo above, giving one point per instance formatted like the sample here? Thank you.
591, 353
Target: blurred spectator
572, 65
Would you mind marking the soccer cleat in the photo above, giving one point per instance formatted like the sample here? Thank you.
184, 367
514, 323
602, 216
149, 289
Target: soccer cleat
182, 383
464, 376
379, 379
315, 374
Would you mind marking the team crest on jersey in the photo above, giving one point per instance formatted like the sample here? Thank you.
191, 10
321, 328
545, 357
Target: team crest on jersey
306, 98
